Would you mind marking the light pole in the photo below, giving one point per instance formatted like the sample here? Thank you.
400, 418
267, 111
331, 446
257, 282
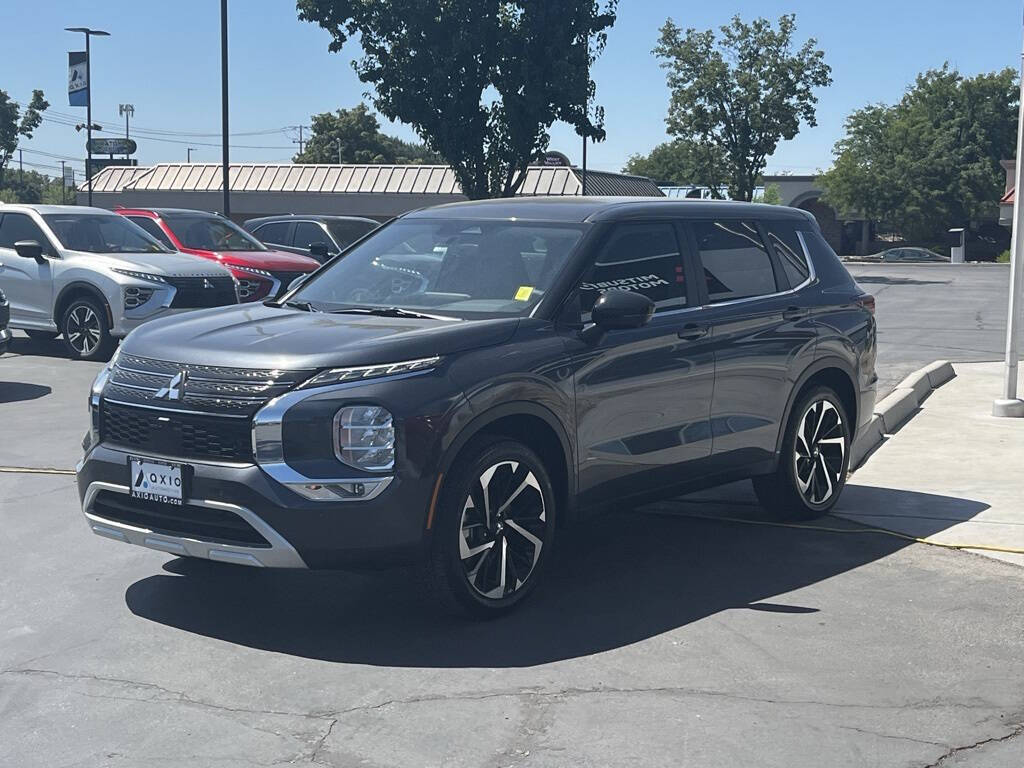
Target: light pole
1010, 404
88, 97
224, 105
188, 153
126, 110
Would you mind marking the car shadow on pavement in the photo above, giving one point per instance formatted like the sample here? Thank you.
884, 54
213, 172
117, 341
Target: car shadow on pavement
22, 345
17, 391
617, 580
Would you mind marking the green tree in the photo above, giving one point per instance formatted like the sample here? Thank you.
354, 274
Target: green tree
772, 195
931, 161
34, 187
481, 81
680, 163
16, 123
354, 136
744, 92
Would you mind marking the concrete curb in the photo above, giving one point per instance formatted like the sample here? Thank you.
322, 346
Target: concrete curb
895, 410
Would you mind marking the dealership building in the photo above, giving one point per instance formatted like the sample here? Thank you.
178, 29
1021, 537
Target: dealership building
376, 191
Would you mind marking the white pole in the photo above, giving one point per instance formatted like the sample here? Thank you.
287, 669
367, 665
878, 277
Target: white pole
1010, 404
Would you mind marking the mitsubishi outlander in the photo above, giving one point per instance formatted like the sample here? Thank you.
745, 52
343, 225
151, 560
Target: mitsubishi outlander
459, 386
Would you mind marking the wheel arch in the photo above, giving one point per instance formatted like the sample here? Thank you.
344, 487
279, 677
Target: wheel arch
829, 371
538, 428
74, 290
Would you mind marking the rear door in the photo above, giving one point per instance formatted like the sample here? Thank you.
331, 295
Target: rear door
276, 234
309, 233
27, 283
642, 395
762, 335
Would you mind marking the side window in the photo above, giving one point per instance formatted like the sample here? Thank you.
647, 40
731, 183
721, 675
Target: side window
783, 237
307, 233
153, 229
19, 226
641, 257
735, 260
274, 233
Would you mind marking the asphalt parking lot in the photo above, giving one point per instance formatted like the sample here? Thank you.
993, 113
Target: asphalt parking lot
932, 312
659, 639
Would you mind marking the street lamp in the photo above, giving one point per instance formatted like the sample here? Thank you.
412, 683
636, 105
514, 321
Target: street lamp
224, 106
188, 153
88, 97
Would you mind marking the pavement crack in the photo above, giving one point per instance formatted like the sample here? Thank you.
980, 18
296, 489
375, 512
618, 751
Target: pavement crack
953, 751
314, 756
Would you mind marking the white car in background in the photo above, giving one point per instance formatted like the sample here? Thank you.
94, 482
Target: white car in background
91, 276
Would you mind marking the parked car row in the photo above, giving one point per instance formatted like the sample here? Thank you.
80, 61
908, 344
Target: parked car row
90, 276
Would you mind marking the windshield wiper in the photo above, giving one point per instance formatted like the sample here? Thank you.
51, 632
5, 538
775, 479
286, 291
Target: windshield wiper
386, 312
305, 306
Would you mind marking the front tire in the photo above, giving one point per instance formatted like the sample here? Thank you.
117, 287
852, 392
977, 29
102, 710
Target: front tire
494, 529
86, 330
814, 460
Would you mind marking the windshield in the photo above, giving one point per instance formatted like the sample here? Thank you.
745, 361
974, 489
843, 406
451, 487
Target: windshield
210, 233
459, 268
100, 233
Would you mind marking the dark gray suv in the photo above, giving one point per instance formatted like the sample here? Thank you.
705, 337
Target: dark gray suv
472, 378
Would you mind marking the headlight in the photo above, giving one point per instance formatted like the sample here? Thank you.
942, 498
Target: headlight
140, 275
93, 436
341, 375
364, 437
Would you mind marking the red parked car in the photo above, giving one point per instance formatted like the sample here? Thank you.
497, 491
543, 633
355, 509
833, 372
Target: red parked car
261, 272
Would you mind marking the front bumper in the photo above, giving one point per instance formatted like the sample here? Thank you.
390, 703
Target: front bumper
293, 532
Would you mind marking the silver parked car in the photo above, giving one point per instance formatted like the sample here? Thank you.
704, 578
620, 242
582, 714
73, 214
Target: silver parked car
91, 276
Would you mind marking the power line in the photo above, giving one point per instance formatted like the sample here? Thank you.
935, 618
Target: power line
174, 141
166, 132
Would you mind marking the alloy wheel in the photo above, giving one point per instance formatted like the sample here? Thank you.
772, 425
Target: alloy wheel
502, 529
820, 452
83, 331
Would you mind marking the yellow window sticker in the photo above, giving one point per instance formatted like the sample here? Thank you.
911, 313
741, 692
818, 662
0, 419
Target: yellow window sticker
524, 293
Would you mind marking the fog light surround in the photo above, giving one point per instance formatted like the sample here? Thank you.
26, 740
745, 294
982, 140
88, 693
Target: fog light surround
364, 437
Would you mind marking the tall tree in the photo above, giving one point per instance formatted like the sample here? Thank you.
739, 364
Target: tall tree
931, 161
354, 136
681, 162
744, 92
16, 123
481, 81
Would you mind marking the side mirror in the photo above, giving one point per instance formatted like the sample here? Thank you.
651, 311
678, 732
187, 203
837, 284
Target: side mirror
617, 311
30, 249
318, 250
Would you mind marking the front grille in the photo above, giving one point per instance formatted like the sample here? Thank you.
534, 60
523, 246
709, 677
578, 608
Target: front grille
190, 520
200, 292
213, 389
179, 435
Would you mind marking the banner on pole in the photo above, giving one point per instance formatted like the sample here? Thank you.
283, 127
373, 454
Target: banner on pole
78, 83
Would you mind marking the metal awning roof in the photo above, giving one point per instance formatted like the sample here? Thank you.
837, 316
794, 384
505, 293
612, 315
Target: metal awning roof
354, 179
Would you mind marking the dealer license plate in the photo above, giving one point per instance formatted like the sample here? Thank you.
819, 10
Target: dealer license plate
156, 480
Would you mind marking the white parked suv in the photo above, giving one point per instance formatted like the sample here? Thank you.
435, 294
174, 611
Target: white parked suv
91, 276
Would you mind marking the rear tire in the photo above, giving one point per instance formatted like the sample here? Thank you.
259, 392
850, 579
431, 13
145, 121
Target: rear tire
814, 460
86, 330
493, 531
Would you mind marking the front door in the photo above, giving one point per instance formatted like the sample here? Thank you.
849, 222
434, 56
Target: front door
643, 395
27, 283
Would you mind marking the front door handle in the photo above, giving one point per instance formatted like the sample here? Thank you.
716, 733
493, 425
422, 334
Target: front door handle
693, 331
795, 313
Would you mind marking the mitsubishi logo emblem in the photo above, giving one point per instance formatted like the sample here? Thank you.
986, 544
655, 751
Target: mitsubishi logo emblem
207, 283
175, 389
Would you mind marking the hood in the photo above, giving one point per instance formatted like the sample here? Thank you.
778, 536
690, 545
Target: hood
174, 263
272, 261
258, 336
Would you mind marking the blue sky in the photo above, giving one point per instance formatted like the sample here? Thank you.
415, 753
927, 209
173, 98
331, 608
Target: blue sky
164, 58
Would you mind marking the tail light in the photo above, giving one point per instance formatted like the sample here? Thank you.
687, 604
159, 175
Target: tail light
867, 301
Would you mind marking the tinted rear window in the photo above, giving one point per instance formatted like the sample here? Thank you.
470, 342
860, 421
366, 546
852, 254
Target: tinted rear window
783, 237
735, 260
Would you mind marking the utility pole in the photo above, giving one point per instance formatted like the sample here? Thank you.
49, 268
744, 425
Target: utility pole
126, 110
63, 184
88, 98
1010, 404
339, 151
300, 140
188, 153
225, 172
21, 167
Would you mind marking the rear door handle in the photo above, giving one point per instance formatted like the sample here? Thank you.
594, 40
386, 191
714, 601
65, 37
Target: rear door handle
693, 331
795, 313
